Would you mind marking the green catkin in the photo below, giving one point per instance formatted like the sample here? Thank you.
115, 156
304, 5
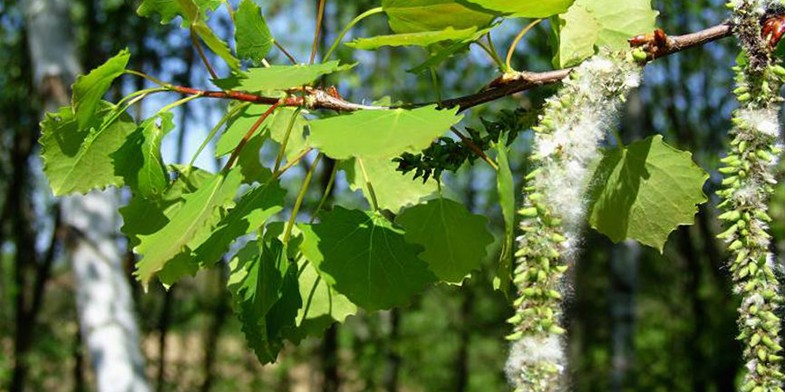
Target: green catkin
748, 179
567, 140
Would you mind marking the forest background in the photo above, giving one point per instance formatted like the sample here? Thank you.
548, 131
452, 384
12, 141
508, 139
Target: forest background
638, 320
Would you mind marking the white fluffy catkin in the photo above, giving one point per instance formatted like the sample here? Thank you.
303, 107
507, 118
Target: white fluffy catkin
566, 148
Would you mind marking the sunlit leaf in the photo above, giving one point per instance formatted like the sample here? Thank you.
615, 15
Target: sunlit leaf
251, 212
322, 305
253, 37
413, 16
280, 77
89, 89
78, 159
424, 38
591, 24
381, 133
194, 218
393, 189
525, 8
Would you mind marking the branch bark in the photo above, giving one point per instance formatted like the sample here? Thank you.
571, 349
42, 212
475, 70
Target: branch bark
317, 98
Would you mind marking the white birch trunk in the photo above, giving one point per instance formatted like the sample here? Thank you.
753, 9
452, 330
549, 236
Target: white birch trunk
104, 304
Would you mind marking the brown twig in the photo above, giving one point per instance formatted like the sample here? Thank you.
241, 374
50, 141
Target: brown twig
202, 55
475, 148
257, 124
319, 20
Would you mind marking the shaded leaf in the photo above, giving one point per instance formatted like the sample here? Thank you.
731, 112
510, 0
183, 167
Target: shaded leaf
266, 296
505, 185
139, 160
217, 45
365, 258
645, 192
454, 239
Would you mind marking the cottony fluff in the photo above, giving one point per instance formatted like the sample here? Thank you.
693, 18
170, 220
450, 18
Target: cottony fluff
568, 137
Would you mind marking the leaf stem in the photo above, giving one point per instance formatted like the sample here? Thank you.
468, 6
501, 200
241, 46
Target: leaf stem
284, 51
248, 135
285, 140
374, 201
300, 198
517, 39
148, 77
178, 103
143, 93
348, 27
495, 54
319, 20
330, 183
202, 55
233, 111
437, 86
294, 161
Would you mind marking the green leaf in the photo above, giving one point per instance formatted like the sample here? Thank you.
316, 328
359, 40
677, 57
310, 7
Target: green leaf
381, 133
414, 16
282, 77
365, 258
424, 38
193, 219
251, 212
249, 161
170, 9
139, 160
590, 24
438, 54
322, 305
217, 45
646, 192
145, 216
89, 89
266, 295
506, 188
77, 159
253, 37
525, 8
454, 239
393, 189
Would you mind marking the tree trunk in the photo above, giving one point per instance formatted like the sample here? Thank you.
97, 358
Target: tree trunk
104, 304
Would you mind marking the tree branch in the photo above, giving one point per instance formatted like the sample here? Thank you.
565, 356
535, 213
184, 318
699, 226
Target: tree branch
502, 87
